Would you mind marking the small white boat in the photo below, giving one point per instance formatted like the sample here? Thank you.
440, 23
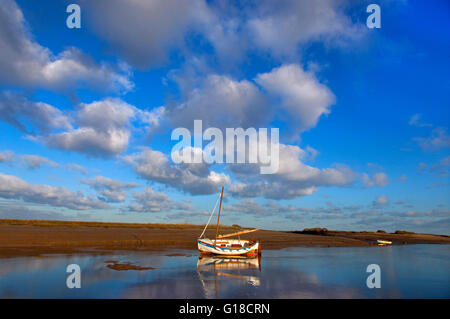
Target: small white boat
384, 242
228, 247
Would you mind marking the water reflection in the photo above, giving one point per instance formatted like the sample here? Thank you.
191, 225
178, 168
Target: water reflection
416, 271
239, 269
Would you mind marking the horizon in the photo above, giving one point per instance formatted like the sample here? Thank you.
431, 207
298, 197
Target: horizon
87, 114
202, 225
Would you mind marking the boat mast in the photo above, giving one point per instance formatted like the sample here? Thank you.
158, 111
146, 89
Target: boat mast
218, 218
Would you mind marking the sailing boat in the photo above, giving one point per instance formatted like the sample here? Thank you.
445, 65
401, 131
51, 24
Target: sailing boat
229, 247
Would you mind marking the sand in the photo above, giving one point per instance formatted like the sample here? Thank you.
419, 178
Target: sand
27, 238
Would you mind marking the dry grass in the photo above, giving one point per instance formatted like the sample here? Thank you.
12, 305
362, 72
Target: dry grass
83, 224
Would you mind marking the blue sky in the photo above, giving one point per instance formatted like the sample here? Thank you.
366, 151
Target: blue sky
86, 114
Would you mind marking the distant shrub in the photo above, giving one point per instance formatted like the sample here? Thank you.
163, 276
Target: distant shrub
403, 232
315, 231
236, 226
381, 231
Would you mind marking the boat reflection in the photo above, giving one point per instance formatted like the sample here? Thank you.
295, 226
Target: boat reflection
239, 270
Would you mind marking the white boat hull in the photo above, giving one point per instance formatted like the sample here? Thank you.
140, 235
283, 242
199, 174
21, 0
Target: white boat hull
224, 247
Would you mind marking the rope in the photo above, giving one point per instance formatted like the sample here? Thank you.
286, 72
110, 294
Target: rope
209, 220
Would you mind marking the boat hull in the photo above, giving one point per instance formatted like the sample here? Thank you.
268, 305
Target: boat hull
208, 246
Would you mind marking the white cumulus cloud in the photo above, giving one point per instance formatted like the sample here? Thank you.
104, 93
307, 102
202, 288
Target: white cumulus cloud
194, 179
26, 63
12, 187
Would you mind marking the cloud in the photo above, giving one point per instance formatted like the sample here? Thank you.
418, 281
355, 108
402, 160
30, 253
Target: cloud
77, 168
29, 161
293, 179
436, 185
437, 140
273, 208
153, 28
440, 226
24, 62
195, 179
187, 216
36, 161
100, 128
276, 207
249, 206
422, 166
294, 95
6, 156
12, 187
111, 191
13, 211
415, 120
375, 166
89, 141
423, 221
377, 179
434, 213
221, 102
441, 169
445, 162
281, 26
381, 200
372, 215
273, 190
302, 96
403, 178
18, 111
150, 201
103, 128
312, 153
269, 208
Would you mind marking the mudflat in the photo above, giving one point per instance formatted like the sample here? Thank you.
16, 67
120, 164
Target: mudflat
25, 237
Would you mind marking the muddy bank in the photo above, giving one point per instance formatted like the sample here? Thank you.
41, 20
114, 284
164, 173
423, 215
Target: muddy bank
26, 238
126, 266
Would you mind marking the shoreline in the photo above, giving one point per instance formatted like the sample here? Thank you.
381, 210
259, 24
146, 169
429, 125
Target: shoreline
31, 238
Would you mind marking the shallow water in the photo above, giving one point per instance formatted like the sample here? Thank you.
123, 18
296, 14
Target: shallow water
415, 271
